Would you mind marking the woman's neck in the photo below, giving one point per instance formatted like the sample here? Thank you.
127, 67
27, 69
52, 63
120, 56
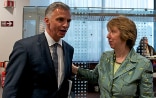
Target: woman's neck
120, 55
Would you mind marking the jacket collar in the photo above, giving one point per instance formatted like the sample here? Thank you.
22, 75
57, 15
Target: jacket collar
128, 64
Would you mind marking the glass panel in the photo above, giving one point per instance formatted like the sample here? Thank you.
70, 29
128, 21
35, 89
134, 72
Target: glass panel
29, 28
149, 4
88, 32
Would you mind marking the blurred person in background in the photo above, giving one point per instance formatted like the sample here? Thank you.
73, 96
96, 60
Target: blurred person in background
144, 48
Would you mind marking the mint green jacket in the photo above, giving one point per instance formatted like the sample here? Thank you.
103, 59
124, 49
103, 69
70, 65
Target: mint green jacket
134, 76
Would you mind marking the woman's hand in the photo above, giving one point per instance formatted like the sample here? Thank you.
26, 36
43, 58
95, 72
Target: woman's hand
74, 69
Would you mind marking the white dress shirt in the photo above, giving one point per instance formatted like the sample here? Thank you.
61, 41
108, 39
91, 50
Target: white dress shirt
60, 56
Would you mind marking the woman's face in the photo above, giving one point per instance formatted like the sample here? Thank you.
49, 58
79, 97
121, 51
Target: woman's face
114, 38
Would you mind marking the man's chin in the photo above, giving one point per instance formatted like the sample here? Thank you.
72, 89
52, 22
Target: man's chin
61, 36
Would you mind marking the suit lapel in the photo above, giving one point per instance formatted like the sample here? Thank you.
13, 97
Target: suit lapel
127, 65
110, 67
65, 54
45, 52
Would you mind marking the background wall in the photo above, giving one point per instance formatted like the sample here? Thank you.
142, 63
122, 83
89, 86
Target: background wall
8, 35
88, 29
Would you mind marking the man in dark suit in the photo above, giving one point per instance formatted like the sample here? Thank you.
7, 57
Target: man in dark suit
30, 72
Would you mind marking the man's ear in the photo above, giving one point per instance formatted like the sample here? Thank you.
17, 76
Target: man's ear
46, 20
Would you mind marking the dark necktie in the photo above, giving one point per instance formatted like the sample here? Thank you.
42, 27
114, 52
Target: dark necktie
55, 58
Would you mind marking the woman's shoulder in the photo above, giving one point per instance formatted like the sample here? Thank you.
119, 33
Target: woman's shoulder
138, 56
141, 60
108, 53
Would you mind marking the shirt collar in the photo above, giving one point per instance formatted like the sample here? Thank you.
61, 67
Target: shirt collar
50, 39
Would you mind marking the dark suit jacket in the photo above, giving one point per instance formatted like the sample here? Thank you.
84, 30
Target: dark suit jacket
30, 72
